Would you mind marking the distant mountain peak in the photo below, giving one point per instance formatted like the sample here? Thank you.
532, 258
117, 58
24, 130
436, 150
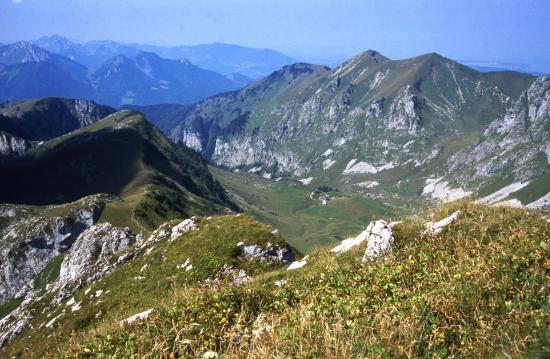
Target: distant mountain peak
365, 58
55, 42
23, 52
54, 37
433, 56
373, 55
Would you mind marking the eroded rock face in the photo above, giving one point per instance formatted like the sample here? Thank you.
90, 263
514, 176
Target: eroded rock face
192, 140
11, 146
185, 226
14, 323
514, 141
271, 252
7, 211
228, 275
92, 247
28, 245
87, 112
243, 151
376, 108
404, 112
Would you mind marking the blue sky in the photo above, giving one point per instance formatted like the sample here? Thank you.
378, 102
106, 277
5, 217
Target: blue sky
484, 30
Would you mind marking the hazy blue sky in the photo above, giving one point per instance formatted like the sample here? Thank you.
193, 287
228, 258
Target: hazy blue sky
502, 30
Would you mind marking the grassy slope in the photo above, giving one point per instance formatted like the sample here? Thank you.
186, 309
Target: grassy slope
151, 280
479, 289
121, 155
304, 222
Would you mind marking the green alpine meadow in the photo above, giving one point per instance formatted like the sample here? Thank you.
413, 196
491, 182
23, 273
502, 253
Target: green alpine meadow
275, 179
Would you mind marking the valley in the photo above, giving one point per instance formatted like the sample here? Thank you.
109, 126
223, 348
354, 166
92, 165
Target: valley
302, 218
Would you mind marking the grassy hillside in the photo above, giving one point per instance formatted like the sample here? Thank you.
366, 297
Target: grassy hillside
478, 289
148, 281
298, 213
122, 155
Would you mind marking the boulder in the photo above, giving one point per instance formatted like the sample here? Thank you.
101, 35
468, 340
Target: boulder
379, 239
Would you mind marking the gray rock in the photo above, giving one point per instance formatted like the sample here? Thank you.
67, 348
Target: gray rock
12, 146
29, 244
92, 250
272, 252
514, 141
379, 239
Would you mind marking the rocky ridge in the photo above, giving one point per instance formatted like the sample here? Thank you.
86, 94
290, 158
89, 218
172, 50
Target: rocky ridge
26, 124
370, 108
517, 143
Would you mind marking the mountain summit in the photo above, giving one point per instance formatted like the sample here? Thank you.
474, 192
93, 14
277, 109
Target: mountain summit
367, 108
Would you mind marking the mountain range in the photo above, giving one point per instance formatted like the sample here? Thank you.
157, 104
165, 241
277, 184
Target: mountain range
237, 62
371, 118
30, 72
411, 195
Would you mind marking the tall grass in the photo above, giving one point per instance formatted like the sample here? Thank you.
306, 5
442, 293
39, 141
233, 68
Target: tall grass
478, 290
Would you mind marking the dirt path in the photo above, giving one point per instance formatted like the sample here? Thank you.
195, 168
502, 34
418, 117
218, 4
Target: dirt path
133, 217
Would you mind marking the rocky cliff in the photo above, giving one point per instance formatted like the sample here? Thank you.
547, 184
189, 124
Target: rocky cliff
385, 113
31, 241
516, 146
12, 146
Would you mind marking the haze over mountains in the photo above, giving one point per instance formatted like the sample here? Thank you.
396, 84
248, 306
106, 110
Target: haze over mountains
226, 59
31, 72
117, 74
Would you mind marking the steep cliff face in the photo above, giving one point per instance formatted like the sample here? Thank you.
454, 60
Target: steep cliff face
88, 256
30, 242
44, 119
91, 249
515, 146
11, 146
